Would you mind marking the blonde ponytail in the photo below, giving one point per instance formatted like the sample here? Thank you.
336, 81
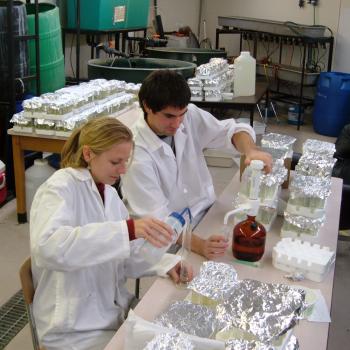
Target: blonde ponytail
99, 134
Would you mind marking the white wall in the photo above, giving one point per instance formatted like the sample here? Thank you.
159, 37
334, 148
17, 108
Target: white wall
342, 54
178, 13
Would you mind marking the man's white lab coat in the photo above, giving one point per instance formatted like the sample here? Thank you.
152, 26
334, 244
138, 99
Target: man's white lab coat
81, 258
159, 182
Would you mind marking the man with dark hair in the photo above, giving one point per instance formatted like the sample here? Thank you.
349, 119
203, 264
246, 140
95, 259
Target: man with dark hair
168, 171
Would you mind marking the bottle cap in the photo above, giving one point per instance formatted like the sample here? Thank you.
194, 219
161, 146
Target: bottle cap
257, 164
245, 53
178, 217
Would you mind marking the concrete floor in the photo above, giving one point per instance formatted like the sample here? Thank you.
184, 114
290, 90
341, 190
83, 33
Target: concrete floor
14, 248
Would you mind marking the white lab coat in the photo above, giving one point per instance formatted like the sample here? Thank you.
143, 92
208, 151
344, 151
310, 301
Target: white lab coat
81, 257
159, 182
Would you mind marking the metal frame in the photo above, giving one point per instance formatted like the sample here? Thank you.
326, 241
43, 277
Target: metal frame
306, 42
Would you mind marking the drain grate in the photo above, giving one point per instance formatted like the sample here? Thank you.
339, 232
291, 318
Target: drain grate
13, 317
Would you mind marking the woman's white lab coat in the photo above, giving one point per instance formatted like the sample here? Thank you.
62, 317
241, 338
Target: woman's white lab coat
81, 257
159, 182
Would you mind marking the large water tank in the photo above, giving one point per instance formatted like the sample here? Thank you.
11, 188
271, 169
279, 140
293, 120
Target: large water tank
332, 103
52, 75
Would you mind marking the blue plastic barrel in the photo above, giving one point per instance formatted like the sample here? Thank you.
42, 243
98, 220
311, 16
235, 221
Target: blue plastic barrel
332, 103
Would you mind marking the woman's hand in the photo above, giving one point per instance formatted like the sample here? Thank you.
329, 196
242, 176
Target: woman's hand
256, 154
181, 272
214, 247
153, 230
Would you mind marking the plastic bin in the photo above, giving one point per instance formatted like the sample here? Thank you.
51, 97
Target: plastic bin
108, 14
332, 103
52, 75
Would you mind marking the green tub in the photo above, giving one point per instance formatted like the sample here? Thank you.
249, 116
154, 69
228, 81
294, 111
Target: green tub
140, 68
197, 56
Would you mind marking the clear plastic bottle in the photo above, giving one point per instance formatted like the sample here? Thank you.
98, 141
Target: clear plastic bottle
152, 254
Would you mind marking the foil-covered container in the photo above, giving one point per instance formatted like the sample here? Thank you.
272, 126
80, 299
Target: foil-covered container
212, 95
279, 141
33, 107
189, 318
196, 95
195, 83
19, 119
217, 83
319, 147
276, 153
215, 281
169, 341
264, 310
44, 126
270, 183
309, 191
215, 67
65, 127
297, 225
313, 164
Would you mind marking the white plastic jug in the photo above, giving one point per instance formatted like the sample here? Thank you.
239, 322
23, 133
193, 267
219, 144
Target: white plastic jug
35, 176
244, 75
3, 188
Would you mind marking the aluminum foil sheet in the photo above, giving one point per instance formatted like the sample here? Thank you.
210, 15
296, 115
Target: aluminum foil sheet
315, 165
318, 147
215, 280
265, 310
273, 140
189, 318
169, 341
310, 186
292, 344
277, 176
242, 344
305, 224
276, 153
213, 68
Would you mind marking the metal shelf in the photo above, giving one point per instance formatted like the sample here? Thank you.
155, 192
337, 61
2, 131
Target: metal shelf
302, 77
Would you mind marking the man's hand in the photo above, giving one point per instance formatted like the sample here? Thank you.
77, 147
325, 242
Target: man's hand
214, 247
257, 154
181, 272
153, 230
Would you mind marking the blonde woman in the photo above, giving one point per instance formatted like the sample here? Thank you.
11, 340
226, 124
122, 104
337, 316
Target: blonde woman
83, 244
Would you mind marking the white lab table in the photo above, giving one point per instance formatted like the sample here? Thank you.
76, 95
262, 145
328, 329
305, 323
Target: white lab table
163, 292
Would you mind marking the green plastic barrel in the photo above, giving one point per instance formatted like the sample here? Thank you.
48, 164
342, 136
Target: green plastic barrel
198, 56
135, 70
52, 75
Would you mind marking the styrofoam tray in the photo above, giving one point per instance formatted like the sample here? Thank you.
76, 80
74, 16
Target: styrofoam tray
294, 255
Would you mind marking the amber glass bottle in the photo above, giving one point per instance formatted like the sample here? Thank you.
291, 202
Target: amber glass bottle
248, 241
